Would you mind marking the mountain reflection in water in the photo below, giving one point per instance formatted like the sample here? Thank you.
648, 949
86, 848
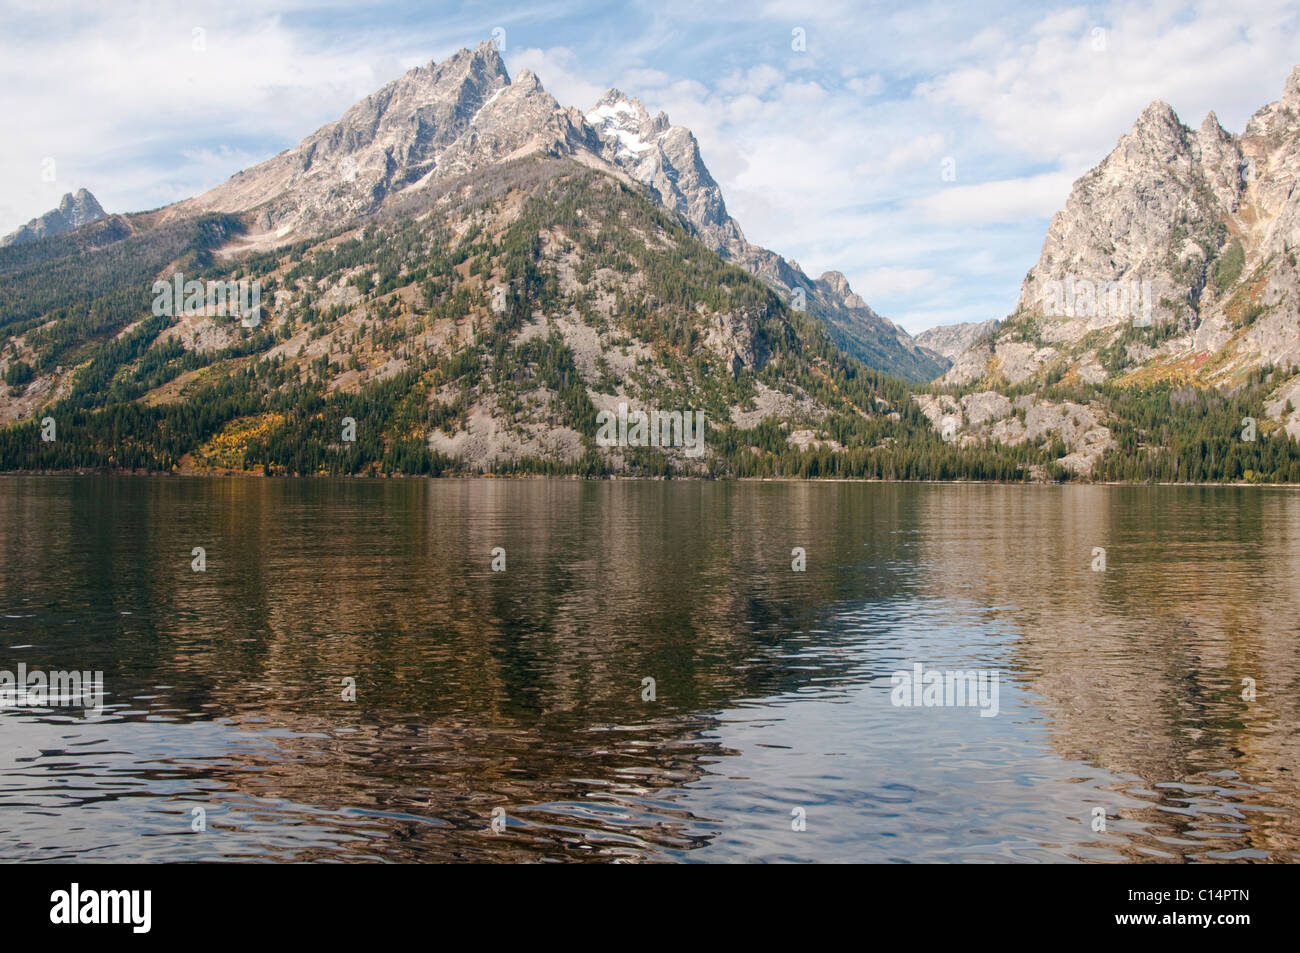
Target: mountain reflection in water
523, 689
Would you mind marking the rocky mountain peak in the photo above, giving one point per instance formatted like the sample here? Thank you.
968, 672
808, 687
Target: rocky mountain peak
483, 62
527, 80
1211, 129
1281, 117
612, 96
1158, 113
80, 207
1173, 253
623, 120
74, 210
1158, 130
667, 159
836, 281
457, 117
391, 139
838, 285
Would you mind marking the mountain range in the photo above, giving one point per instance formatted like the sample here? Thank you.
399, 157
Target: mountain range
471, 274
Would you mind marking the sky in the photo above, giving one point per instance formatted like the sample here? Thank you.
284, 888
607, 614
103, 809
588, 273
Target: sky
921, 149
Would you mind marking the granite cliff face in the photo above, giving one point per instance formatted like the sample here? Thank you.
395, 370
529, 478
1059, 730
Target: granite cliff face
1179, 244
437, 121
950, 340
1173, 263
74, 211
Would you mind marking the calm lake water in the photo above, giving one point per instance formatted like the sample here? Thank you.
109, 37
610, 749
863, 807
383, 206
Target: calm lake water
523, 690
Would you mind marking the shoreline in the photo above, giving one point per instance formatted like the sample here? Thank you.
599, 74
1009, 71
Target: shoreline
616, 478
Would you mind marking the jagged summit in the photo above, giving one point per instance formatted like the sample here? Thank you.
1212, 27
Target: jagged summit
74, 210
625, 119
388, 141
1212, 128
667, 159
81, 204
1280, 116
1157, 113
1157, 131
1192, 234
460, 117
837, 283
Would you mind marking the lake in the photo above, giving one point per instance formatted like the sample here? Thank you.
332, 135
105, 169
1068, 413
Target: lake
650, 672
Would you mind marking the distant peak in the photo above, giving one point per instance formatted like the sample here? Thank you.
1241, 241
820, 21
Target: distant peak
82, 202
837, 283
618, 113
1158, 123
75, 209
1159, 112
617, 101
484, 57
1212, 129
487, 50
527, 79
612, 95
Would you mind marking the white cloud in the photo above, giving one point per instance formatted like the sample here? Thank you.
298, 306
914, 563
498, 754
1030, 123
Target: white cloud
866, 86
756, 81
1068, 95
1007, 200
916, 151
885, 281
